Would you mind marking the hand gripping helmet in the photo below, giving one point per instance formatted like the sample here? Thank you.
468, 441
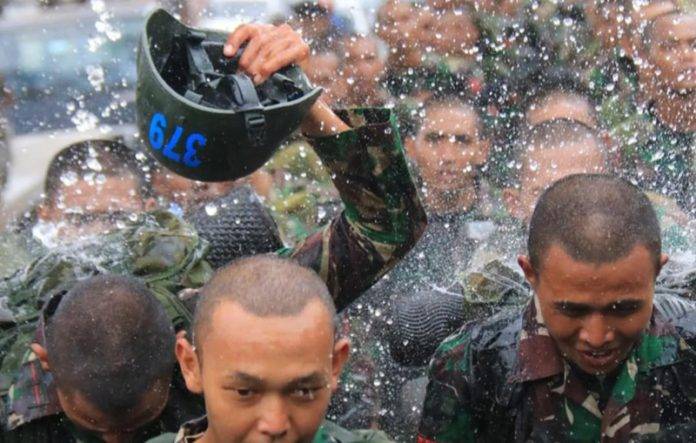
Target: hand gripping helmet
198, 115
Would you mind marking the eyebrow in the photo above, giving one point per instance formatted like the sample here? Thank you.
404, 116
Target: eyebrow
437, 135
310, 379
573, 306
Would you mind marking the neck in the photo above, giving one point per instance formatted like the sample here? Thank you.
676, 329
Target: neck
677, 111
405, 58
458, 200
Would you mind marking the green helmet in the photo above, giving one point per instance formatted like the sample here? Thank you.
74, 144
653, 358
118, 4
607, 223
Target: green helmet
198, 116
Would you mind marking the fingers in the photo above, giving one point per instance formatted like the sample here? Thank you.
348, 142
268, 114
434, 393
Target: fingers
259, 65
253, 49
240, 35
293, 54
269, 48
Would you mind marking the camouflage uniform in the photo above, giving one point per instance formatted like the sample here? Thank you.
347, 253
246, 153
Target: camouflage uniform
303, 197
327, 433
382, 220
503, 379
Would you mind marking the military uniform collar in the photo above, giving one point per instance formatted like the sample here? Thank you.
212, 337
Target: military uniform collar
538, 356
192, 430
33, 395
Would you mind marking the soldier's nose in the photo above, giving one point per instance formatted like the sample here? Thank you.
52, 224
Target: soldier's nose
596, 333
275, 422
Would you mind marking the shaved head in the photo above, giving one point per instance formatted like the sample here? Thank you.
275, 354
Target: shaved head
595, 218
263, 285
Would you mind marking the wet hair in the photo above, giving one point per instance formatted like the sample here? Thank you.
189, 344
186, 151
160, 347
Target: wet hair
111, 341
595, 218
550, 134
263, 285
116, 159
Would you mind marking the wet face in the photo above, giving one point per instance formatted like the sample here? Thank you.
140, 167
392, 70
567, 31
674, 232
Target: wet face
323, 70
185, 192
363, 64
449, 147
541, 167
93, 206
456, 34
672, 52
265, 379
595, 313
403, 26
90, 421
562, 105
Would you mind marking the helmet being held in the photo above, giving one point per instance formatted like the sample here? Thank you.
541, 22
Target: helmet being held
199, 116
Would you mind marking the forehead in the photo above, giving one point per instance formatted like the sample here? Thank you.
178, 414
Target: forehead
574, 280
101, 193
450, 117
240, 341
675, 27
543, 166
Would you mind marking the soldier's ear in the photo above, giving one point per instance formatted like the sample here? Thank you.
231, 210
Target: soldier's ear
188, 362
41, 355
529, 272
340, 356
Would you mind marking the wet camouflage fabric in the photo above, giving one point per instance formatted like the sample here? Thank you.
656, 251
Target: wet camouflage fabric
670, 158
164, 252
382, 220
503, 379
303, 197
327, 433
383, 216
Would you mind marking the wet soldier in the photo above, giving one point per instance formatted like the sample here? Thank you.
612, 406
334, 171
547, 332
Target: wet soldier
588, 357
266, 355
448, 153
663, 156
382, 221
363, 68
89, 187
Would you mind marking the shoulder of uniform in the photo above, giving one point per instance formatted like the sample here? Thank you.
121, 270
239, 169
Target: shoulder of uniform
494, 334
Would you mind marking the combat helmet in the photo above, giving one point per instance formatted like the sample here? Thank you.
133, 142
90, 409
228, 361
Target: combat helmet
200, 117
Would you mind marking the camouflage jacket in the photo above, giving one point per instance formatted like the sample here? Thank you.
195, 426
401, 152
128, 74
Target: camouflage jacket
303, 197
327, 433
382, 220
657, 157
503, 379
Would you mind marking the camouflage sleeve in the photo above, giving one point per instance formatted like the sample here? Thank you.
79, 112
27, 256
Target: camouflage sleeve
383, 216
447, 413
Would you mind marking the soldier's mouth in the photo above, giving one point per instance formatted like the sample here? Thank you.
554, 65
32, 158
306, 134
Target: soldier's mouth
599, 359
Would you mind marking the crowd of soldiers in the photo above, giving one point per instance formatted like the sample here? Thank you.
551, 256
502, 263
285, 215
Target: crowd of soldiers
483, 231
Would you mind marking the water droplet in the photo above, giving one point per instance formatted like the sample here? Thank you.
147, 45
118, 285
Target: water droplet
69, 178
211, 209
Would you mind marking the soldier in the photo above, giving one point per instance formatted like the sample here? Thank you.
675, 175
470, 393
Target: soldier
662, 159
266, 356
364, 70
322, 70
383, 220
588, 357
89, 187
449, 153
